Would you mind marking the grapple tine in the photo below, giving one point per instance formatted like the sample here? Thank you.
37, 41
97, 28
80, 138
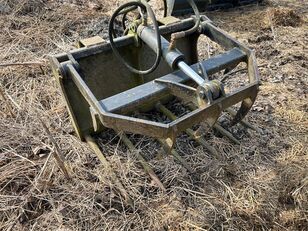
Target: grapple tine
243, 122
94, 146
189, 131
147, 168
226, 133
203, 142
220, 129
181, 160
245, 108
170, 150
177, 156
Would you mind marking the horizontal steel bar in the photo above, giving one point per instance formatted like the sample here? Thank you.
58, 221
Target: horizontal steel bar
123, 41
156, 129
152, 128
126, 101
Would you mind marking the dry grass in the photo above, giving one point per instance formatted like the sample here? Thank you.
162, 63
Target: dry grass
261, 184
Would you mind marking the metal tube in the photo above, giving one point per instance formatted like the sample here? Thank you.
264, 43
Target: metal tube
173, 57
190, 73
148, 36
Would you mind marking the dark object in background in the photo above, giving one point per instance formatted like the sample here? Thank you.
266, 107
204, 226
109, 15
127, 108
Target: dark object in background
181, 7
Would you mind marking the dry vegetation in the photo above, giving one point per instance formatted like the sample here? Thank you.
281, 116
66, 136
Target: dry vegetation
261, 184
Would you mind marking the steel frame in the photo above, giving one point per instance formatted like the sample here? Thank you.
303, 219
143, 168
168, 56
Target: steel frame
105, 113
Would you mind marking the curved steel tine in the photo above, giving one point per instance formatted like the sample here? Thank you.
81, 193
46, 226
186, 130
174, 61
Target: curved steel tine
244, 122
226, 133
119, 186
245, 108
175, 154
142, 161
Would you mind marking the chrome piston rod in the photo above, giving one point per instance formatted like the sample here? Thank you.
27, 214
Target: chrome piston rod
190, 73
173, 57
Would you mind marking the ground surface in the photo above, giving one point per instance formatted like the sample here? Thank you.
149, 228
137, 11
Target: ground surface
260, 184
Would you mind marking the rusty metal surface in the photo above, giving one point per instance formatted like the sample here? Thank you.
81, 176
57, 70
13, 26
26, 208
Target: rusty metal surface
92, 41
168, 20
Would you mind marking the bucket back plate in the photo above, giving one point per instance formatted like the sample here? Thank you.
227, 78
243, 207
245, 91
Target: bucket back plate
105, 76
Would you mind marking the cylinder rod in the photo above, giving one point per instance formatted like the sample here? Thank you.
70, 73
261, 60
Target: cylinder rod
172, 56
190, 73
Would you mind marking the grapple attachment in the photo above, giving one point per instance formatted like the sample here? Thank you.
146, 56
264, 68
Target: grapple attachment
101, 92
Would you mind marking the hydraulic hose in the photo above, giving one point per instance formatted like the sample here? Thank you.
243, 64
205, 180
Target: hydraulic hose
122, 9
125, 12
182, 34
165, 8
